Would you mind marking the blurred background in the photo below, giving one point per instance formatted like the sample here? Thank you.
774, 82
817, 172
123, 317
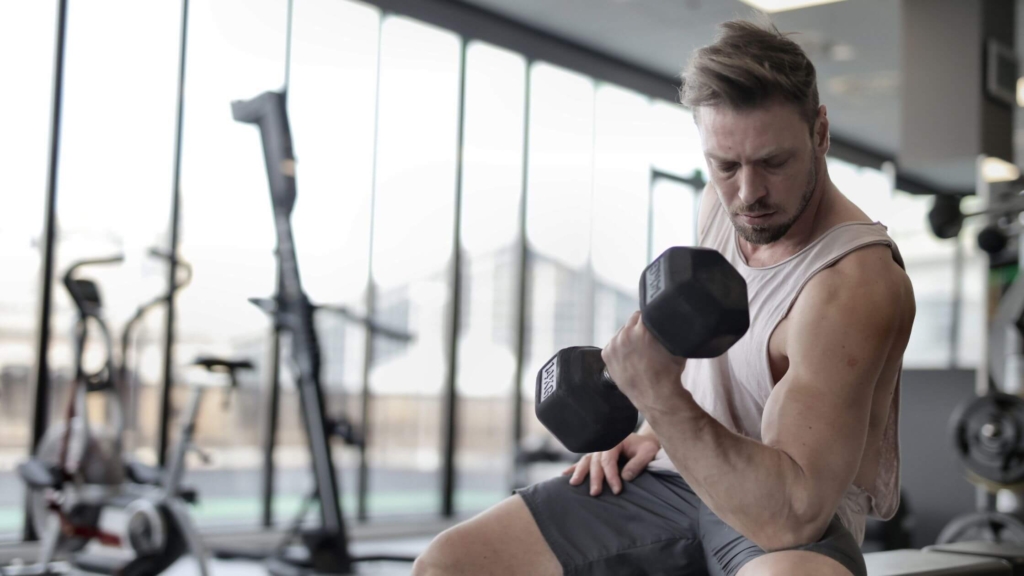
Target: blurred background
541, 140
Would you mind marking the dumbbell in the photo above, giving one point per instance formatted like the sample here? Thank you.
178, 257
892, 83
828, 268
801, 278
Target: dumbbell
691, 300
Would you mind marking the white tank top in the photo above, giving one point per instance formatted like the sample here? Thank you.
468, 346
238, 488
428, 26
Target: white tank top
734, 387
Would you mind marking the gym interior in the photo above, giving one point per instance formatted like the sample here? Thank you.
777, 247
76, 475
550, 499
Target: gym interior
467, 187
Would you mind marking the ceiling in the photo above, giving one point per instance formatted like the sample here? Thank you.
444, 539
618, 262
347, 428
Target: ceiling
855, 46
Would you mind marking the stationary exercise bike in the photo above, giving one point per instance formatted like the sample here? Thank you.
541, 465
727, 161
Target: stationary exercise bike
79, 469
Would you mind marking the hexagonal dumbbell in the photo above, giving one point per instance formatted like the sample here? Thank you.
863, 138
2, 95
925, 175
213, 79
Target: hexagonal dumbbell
691, 300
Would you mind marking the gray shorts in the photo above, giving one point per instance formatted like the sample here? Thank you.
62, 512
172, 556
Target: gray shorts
656, 525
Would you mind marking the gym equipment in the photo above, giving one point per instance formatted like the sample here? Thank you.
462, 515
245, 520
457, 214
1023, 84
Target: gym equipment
945, 217
988, 435
691, 300
324, 550
990, 527
988, 431
79, 470
918, 563
1012, 553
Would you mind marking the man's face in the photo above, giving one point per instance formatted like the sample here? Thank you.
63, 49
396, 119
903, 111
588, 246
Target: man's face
763, 163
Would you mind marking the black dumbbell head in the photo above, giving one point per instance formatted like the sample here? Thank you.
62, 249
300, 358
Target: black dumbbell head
583, 409
694, 302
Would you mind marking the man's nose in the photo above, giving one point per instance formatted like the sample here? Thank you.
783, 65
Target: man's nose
752, 186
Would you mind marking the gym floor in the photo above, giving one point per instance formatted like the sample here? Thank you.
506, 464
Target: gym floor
410, 546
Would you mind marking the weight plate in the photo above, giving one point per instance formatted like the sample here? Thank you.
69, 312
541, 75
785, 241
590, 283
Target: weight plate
988, 436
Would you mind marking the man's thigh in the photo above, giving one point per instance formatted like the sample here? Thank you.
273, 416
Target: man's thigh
648, 528
729, 553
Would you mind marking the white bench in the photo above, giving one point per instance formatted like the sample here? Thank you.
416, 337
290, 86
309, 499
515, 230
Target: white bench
932, 563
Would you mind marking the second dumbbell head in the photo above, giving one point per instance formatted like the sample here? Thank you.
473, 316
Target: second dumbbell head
579, 404
694, 302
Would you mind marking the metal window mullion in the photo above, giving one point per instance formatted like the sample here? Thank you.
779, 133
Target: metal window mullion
521, 293
40, 413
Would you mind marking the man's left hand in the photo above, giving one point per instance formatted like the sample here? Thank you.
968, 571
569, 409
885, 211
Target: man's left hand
642, 368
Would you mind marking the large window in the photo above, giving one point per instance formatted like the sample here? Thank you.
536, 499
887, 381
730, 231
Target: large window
412, 245
26, 66
236, 50
492, 185
114, 190
332, 101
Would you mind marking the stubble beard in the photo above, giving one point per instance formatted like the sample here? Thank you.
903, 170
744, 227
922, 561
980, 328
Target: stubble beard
761, 234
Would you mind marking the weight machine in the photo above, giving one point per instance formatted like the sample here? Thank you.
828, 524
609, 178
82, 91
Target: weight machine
323, 550
987, 432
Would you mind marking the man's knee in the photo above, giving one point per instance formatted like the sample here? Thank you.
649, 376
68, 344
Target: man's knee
794, 563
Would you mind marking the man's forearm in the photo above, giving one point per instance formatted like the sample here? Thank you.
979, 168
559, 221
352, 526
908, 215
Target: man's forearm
758, 490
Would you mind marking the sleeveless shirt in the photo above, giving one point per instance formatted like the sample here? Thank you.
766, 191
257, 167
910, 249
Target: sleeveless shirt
734, 387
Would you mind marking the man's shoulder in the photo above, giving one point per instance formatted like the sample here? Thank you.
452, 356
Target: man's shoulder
867, 281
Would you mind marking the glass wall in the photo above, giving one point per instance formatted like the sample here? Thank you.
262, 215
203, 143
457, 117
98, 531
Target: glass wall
114, 193
236, 50
332, 102
492, 188
560, 158
26, 65
414, 213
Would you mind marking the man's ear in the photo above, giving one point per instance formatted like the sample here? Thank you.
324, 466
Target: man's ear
821, 131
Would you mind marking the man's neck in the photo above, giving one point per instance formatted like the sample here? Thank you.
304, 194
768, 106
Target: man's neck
815, 221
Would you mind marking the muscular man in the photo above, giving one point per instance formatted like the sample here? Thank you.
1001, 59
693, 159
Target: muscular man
767, 459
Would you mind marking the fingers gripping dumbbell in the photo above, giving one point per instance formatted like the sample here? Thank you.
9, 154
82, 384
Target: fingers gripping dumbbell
691, 300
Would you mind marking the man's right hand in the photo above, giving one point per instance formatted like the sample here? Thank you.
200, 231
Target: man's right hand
601, 466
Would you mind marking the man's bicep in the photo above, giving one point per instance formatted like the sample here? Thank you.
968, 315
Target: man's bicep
818, 414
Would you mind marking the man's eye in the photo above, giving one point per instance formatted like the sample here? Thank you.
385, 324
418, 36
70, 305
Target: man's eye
729, 167
775, 164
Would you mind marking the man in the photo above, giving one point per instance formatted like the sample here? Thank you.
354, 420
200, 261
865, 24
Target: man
767, 459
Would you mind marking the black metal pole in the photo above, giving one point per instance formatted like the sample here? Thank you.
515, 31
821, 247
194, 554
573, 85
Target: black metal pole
272, 397
40, 411
371, 305
271, 403
168, 383
451, 397
954, 325
521, 294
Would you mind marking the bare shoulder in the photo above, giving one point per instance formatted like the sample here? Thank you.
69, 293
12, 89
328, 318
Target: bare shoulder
866, 288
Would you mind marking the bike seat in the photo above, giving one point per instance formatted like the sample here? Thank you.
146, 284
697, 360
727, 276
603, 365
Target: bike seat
212, 364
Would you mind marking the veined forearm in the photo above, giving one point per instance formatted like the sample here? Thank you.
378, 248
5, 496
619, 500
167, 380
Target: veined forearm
758, 490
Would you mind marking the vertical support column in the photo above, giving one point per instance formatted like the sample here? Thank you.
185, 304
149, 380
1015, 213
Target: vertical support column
41, 403
271, 403
981, 382
371, 306
521, 292
451, 396
272, 396
168, 376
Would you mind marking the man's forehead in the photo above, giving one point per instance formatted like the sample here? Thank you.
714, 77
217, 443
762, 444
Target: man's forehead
727, 134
